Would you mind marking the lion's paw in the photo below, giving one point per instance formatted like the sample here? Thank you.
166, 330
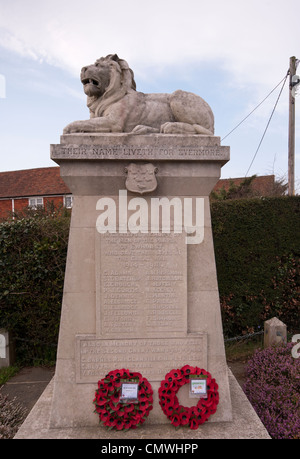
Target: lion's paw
177, 128
70, 128
140, 129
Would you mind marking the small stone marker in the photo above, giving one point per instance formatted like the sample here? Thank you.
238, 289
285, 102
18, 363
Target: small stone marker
275, 332
6, 349
2, 346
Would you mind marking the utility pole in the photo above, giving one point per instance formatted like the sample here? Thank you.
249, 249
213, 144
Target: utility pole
291, 156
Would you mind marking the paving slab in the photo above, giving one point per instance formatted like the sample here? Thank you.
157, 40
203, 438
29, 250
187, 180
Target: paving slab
28, 385
245, 424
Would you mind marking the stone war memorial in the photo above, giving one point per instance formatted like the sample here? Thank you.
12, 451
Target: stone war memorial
141, 347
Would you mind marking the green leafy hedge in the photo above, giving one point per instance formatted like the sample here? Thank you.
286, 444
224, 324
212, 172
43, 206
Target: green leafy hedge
32, 263
257, 249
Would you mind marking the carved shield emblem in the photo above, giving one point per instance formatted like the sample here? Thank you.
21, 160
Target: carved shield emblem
141, 178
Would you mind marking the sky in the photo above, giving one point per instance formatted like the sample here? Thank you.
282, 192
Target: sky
233, 53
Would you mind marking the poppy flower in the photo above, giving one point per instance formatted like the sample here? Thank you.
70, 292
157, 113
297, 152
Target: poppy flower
162, 398
119, 424
172, 401
102, 392
117, 383
184, 418
115, 398
205, 373
187, 370
144, 405
212, 385
102, 385
110, 387
165, 385
128, 424
138, 375
125, 373
146, 385
198, 410
101, 400
175, 420
213, 409
121, 412
104, 416
142, 395
114, 406
100, 409
209, 404
196, 371
121, 373
201, 420
169, 409
173, 375
110, 421
194, 411
194, 424
129, 408
110, 376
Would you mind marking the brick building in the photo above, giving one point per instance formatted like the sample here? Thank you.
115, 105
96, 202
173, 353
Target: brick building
263, 185
34, 187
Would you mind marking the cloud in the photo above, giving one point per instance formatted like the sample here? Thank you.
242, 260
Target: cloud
252, 41
230, 52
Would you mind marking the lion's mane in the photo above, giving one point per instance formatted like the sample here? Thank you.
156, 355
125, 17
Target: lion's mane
121, 83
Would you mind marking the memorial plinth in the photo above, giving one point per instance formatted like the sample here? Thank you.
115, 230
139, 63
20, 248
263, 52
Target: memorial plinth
140, 287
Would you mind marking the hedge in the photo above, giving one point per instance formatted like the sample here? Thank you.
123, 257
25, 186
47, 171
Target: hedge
257, 248
32, 262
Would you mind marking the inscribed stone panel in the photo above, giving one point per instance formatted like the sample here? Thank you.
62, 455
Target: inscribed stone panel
141, 285
153, 357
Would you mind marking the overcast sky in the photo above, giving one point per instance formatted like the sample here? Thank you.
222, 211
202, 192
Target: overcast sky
232, 53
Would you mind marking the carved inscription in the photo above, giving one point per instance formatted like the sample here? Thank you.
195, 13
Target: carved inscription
151, 357
144, 152
141, 285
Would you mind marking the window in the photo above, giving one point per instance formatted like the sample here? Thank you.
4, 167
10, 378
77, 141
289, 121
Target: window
35, 202
68, 201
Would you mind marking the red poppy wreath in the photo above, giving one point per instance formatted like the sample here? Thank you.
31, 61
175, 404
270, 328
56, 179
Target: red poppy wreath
123, 414
180, 415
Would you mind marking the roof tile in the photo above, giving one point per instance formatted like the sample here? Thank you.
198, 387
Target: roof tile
32, 182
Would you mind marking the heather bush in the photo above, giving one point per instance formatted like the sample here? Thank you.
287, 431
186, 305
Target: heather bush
273, 388
12, 415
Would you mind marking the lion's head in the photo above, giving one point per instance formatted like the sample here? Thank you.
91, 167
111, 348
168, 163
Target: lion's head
105, 82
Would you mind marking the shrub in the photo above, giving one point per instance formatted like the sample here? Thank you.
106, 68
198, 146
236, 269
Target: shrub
273, 388
32, 262
257, 249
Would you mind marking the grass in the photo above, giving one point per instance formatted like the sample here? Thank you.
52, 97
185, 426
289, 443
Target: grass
6, 373
243, 349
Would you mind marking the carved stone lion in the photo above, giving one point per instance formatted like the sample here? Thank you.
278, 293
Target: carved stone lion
116, 106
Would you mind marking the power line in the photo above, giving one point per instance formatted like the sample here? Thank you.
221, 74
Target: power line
285, 78
255, 107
